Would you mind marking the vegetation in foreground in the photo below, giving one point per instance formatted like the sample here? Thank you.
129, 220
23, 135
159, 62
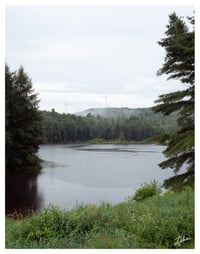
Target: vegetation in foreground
154, 221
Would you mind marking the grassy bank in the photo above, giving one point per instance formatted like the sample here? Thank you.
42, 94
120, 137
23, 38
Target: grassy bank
119, 141
161, 221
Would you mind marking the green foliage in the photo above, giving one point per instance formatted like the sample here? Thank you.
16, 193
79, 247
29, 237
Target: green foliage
179, 46
23, 122
165, 221
64, 128
147, 190
179, 64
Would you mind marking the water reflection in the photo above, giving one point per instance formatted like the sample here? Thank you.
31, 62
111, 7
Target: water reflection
74, 174
22, 193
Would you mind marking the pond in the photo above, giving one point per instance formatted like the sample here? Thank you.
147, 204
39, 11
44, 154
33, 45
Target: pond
76, 174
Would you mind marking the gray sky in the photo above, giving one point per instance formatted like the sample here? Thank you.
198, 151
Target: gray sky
91, 56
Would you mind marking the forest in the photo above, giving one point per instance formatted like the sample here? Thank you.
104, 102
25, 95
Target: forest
68, 128
150, 218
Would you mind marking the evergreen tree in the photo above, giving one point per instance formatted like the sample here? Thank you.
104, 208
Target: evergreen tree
179, 64
23, 129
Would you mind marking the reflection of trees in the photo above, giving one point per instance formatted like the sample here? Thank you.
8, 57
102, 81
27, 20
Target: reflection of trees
22, 192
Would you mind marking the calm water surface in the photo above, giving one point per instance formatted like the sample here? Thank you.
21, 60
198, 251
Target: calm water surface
89, 174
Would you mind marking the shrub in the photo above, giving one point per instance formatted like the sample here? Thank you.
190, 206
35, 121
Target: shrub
163, 221
147, 190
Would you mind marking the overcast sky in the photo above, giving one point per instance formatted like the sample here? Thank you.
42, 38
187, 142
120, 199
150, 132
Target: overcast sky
83, 57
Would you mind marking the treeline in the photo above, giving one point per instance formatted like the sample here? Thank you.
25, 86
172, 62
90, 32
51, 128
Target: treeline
66, 128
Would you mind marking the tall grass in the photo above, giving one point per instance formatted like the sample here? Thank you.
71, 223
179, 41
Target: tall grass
161, 221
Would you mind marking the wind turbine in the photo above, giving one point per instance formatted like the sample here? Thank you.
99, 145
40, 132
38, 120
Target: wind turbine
106, 101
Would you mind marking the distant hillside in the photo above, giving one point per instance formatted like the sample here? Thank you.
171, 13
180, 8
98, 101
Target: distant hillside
123, 113
113, 112
105, 123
